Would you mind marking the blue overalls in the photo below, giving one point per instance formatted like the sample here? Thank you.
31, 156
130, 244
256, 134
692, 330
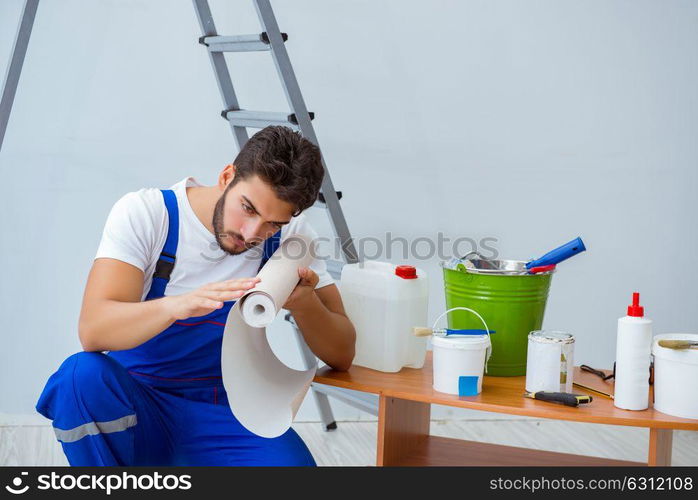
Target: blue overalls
161, 403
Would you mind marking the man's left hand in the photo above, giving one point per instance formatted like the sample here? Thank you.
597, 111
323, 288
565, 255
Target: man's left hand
304, 292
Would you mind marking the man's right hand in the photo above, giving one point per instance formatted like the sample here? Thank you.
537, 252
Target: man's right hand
207, 298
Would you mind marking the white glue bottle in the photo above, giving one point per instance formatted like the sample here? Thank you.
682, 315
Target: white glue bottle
633, 347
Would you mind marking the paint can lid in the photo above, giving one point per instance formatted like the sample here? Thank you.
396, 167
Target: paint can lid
551, 337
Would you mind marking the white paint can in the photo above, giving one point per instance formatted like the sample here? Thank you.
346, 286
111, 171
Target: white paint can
459, 363
550, 361
676, 377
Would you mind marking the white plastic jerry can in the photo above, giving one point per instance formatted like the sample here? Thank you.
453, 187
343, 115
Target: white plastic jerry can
384, 302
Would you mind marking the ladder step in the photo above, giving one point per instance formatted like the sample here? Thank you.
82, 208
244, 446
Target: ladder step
321, 196
321, 203
261, 119
238, 43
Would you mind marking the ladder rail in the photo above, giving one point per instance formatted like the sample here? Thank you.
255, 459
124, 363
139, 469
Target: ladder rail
298, 107
220, 69
14, 69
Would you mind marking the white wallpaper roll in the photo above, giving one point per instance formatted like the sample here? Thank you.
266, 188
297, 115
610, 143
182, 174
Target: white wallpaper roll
258, 310
264, 394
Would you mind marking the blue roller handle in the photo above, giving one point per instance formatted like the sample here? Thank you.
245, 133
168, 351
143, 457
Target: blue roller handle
559, 254
469, 331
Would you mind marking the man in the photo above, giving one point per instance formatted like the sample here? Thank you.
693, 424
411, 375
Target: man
168, 269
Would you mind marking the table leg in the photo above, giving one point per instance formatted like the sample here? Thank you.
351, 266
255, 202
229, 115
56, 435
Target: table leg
402, 426
660, 447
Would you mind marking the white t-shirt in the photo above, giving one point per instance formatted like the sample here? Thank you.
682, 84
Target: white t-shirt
136, 230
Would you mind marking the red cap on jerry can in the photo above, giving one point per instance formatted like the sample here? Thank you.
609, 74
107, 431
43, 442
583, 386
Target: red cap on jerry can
406, 272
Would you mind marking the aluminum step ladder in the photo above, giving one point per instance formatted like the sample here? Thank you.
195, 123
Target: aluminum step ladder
299, 118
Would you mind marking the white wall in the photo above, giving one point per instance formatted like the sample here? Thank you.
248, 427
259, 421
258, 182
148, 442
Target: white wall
531, 122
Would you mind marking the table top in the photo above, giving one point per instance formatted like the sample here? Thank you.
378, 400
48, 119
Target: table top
501, 395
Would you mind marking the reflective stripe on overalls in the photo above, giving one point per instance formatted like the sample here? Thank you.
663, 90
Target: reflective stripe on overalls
163, 402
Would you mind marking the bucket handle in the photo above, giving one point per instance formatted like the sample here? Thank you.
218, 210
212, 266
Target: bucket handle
489, 339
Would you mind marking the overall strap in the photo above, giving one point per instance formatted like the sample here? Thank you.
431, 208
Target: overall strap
166, 261
270, 246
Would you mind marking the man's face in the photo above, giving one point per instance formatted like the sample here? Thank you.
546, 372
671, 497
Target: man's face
247, 213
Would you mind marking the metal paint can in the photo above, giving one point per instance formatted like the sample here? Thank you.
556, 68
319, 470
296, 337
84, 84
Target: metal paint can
550, 361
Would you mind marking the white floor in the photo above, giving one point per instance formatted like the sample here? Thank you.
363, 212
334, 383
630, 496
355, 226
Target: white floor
32, 442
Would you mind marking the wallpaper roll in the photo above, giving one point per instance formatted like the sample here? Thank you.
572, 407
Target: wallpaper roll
258, 310
264, 394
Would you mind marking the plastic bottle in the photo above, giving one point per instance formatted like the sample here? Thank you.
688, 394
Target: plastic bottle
385, 302
633, 347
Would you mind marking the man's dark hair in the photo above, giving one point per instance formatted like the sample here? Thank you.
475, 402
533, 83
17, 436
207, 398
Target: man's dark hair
286, 161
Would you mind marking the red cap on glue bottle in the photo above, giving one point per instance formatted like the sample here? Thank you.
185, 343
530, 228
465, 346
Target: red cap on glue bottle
635, 309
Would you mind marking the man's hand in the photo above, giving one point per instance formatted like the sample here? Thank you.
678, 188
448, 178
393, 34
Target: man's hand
113, 317
304, 291
207, 298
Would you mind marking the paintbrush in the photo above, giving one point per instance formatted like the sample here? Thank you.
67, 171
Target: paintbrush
425, 331
678, 344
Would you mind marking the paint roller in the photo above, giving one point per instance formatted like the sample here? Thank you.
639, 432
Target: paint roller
553, 257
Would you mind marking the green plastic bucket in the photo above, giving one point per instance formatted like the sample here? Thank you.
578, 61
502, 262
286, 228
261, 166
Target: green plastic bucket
511, 301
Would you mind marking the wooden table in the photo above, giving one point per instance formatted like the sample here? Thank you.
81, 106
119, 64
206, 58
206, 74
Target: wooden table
405, 400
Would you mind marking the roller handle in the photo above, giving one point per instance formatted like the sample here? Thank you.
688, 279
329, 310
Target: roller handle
561, 253
565, 398
541, 269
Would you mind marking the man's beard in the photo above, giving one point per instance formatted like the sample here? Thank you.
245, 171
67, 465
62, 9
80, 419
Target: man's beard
221, 234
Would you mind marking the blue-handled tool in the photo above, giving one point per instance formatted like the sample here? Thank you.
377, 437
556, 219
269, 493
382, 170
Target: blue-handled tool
561, 253
424, 331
